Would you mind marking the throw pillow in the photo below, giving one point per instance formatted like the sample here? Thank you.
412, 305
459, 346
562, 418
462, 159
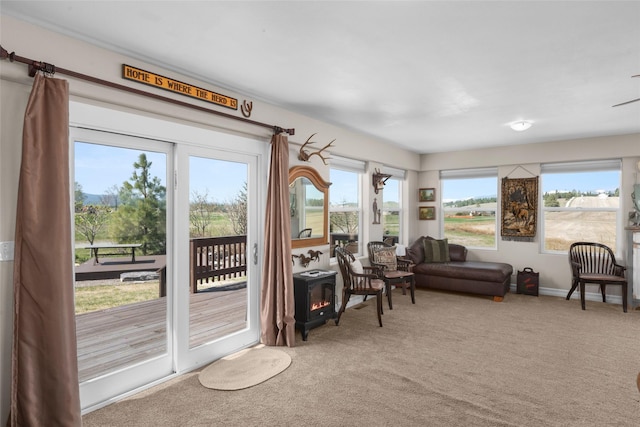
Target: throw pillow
415, 252
386, 257
356, 266
436, 250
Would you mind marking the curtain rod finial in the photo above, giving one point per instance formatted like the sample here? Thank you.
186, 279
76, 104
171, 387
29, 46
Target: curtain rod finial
278, 129
4, 54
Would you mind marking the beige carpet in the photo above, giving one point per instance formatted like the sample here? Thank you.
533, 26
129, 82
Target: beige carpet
448, 360
245, 368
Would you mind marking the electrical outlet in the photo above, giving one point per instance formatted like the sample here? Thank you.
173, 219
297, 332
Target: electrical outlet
6, 251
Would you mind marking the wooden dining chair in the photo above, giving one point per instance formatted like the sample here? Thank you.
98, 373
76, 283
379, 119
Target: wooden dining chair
393, 270
358, 280
595, 263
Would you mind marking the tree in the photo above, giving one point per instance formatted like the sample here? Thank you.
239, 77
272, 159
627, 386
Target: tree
91, 220
141, 217
111, 197
200, 212
344, 221
551, 200
79, 196
237, 211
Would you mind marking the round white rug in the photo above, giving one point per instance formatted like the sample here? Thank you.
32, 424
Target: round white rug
245, 368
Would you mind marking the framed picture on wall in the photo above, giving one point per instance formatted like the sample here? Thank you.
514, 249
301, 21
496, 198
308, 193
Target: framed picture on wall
427, 195
427, 212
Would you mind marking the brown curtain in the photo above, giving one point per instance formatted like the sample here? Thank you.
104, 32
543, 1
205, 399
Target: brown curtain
44, 382
277, 302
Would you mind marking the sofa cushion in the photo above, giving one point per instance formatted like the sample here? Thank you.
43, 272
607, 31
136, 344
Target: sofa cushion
457, 252
386, 257
479, 271
415, 252
436, 250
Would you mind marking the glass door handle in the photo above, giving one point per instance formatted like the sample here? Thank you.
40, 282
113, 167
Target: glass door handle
255, 254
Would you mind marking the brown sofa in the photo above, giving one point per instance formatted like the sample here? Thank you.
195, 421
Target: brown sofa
458, 274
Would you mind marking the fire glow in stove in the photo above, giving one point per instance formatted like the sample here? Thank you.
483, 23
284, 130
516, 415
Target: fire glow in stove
315, 299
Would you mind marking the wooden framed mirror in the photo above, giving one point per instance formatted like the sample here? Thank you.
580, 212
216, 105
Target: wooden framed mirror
308, 207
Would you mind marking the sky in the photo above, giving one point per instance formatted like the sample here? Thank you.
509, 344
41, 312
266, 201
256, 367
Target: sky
99, 167
583, 181
461, 189
344, 188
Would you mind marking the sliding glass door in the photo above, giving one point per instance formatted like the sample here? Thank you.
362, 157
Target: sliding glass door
122, 263
168, 228
220, 244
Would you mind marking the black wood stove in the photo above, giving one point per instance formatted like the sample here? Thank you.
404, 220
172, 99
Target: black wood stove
315, 299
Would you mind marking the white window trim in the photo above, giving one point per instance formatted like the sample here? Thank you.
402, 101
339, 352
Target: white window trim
400, 208
399, 174
346, 164
358, 167
490, 172
469, 173
573, 167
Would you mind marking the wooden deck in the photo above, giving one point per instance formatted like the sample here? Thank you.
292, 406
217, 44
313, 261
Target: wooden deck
116, 337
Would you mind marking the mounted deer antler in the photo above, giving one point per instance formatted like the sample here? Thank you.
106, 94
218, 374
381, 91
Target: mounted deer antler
305, 155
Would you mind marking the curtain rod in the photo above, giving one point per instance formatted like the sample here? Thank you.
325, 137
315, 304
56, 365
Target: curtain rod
35, 66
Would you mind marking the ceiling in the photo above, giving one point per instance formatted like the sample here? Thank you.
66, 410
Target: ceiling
429, 76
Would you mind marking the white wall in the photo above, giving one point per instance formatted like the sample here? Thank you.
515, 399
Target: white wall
39, 44
553, 268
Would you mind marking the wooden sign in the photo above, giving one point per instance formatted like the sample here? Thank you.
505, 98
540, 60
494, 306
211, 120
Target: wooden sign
152, 79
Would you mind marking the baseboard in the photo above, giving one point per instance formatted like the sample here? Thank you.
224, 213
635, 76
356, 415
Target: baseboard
588, 296
552, 292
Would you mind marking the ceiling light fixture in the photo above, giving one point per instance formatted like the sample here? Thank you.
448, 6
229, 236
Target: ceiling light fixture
521, 125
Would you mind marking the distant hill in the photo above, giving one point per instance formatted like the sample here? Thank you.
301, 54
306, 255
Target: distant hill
94, 199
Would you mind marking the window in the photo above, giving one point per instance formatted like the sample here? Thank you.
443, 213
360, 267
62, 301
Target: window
469, 206
392, 205
345, 204
580, 203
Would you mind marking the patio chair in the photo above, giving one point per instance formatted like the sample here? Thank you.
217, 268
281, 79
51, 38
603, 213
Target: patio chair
595, 263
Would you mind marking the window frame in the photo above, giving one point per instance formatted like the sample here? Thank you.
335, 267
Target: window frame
397, 175
353, 166
587, 166
470, 174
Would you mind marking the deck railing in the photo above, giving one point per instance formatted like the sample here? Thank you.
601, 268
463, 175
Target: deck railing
223, 258
217, 258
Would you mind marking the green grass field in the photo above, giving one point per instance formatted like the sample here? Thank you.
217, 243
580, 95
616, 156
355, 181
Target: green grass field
219, 225
561, 229
92, 298
471, 232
